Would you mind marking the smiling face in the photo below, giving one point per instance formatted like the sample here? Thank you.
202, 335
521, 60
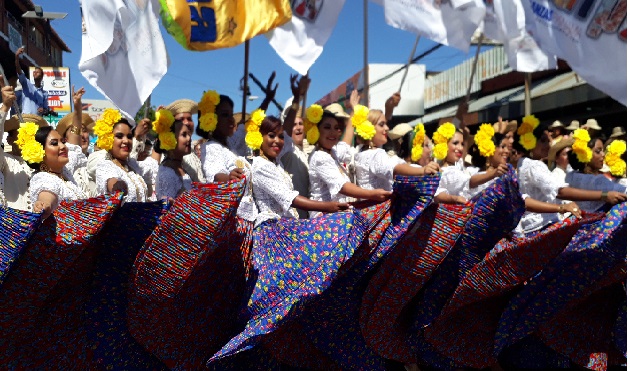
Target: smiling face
455, 148
272, 144
184, 139
562, 158
187, 119
56, 152
226, 125
329, 132
380, 137
298, 132
501, 154
122, 141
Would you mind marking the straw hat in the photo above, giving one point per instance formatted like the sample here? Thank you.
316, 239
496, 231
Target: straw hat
14, 123
239, 115
66, 122
512, 126
592, 124
183, 106
553, 150
617, 132
574, 125
399, 131
556, 124
337, 110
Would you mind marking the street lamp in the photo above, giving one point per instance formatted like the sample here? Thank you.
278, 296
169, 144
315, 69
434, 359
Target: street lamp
38, 13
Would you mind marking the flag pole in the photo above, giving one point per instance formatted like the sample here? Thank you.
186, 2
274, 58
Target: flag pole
413, 53
147, 104
304, 99
245, 76
15, 104
528, 96
474, 67
366, 77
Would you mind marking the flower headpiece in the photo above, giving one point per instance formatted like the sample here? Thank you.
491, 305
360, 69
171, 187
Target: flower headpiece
527, 138
209, 102
483, 140
32, 150
104, 128
253, 138
440, 138
613, 157
364, 128
580, 145
418, 142
163, 126
314, 115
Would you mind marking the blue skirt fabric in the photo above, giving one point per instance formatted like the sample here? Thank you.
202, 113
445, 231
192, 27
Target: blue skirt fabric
16, 227
331, 323
188, 281
593, 254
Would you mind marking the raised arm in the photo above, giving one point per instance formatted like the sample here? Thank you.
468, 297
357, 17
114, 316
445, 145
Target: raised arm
270, 93
73, 135
18, 54
391, 103
348, 134
8, 97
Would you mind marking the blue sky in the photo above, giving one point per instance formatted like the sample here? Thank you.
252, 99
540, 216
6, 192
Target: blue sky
190, 73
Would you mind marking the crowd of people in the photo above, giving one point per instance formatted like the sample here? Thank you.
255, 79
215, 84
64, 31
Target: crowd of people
307, 177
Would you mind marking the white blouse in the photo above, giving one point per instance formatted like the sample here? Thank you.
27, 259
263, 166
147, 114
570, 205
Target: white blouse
65, 190
535, 181
216, 159
170, 184
329, 172
273, 191
455, 180
592, 183
134, 178
375, 169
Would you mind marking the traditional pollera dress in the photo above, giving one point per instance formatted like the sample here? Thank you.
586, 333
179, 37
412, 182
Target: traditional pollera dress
328, 173
375, 169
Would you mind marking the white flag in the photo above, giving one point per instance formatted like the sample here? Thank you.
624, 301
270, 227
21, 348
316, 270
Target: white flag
300, 41
505, 21
123, 54
590, 35
448, 22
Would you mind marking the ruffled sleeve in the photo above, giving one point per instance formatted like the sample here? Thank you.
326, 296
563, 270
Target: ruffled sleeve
327, 171
41, 182
344, 153
268, 181
105, 171
536, 174
216, 159
382, 165
76, 158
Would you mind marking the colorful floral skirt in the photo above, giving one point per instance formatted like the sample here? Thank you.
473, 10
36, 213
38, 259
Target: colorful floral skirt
41, 299
16, 227
545, 308
189, 280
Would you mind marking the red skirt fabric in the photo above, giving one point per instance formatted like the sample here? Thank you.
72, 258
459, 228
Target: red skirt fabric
42, 297
188, 282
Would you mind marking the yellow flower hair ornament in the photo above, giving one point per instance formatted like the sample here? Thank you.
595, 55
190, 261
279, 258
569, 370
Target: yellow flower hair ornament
440, 138
32, 151
104, 127
526, 132
314, 115
418, 142
253, 138
363, 127
613, 157
580, 145
163, 126
207, 106
483, 140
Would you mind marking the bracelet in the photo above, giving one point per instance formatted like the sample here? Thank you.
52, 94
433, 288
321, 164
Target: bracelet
74, 130
604, 196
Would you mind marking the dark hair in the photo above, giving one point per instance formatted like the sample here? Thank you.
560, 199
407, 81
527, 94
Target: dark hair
40, 137
406, 145
331, 115
538, 133
269, 124
478, 160
176, 130
206, 134
573, 160
40, 70
124, 121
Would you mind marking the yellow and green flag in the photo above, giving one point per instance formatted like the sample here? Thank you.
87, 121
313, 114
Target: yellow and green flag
214, 24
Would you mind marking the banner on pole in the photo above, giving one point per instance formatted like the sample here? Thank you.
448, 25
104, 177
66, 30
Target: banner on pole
215, 24
123, 54
301, 41
589, 35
